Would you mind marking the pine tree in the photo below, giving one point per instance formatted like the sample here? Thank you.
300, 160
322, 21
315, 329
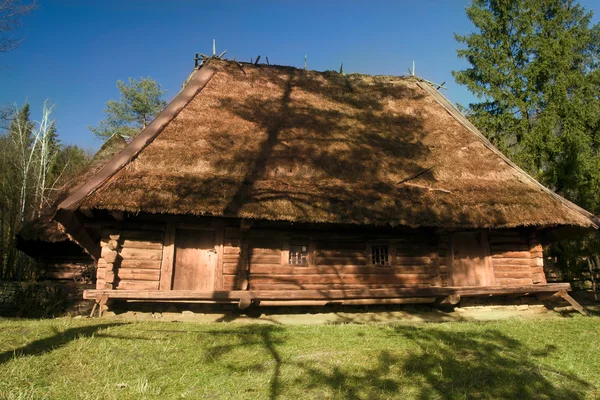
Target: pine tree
534, 67
140, 102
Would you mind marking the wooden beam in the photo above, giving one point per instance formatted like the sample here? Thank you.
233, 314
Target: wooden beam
168, 259
563, 293
219, 239
328, 294
73, 226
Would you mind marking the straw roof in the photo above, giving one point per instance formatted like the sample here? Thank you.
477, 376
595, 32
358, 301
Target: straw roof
280, 143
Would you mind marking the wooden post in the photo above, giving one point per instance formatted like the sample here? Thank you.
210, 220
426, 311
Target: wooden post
220, 233
166, 266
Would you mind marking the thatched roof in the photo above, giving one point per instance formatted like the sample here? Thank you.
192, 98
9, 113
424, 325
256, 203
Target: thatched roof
279, 143
45, 228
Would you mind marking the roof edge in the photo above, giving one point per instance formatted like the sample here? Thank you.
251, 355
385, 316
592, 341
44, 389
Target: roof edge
456, 114
196, 83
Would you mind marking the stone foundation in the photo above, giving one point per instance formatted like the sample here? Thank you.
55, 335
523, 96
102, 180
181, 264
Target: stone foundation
43, 299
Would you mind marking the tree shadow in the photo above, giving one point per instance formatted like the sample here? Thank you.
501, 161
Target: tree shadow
487, 364
58, 340
434, 363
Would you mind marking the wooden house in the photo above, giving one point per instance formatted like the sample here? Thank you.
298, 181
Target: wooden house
269, 184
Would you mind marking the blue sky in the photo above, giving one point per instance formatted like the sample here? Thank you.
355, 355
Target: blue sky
74, 51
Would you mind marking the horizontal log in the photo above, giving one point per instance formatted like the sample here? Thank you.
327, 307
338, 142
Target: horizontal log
412, 260
264, 251
514, 274
141, 254
512, 254
511, 261
351, 302
514, 281
142, 244
512, 268
141, 264
265, 259
331, 294
341, 260
345, 279
137, 285
231, 250
340, 253
327, 286
138, 274
330, 269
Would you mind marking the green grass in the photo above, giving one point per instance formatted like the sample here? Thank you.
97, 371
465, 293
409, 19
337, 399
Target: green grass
91, 359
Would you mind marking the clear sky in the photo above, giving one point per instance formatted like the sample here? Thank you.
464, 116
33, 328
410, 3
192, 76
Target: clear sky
74, 51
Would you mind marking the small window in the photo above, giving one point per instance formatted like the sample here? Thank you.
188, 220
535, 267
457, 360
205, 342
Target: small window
380, 255
298, 254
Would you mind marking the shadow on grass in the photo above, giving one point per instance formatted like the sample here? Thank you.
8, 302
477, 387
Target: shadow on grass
431, 363
57, 340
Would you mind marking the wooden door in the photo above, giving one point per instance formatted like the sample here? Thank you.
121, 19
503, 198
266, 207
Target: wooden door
195, 260
471, 261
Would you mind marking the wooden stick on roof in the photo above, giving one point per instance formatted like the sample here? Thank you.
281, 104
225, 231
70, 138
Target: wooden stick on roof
257, 60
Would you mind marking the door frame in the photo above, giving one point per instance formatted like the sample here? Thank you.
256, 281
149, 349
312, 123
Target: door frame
487, 256
167, 265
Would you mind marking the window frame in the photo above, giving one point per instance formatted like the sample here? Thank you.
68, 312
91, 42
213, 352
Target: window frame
381, 243
286, 250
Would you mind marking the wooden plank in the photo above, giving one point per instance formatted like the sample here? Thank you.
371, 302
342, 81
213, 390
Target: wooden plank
141, 254
142, 264
231, 269
137, 285
168, 258
265, 259
514, 275
195, 259
139, 274
514, 281
341, 260
219, 238
512, 261
471, 262
512, 254
330, 286
365, 279
231, 250
331, 294
142, 244
512, 268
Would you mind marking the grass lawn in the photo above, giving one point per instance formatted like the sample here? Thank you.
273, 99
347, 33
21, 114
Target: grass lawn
92, 359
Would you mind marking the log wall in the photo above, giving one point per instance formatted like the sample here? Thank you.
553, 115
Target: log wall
130, 259
257, 259
517, 257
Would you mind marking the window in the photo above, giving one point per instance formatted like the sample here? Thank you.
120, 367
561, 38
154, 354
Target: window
380, 255
298, 254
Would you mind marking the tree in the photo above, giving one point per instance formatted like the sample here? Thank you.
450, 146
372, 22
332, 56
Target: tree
534, 67
33, 167
140, 102
11, 14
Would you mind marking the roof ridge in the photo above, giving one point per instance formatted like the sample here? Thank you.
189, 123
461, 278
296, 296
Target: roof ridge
456, 114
